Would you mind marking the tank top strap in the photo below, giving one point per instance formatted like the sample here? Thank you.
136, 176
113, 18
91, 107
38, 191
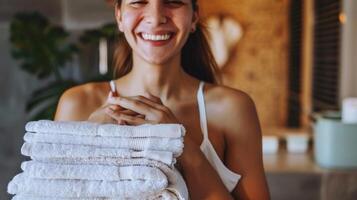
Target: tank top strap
202, 111
229, 178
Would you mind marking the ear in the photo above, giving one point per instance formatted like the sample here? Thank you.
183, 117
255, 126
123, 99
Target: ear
118, 18
195, 19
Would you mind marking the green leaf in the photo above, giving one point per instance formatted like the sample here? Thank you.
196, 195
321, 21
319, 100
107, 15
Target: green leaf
41, 47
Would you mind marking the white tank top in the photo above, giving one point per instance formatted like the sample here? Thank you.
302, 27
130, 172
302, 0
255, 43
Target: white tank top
229, 178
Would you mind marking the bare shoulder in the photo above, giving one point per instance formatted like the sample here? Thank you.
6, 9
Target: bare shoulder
227, 95
77, 103
233, 109
237, 117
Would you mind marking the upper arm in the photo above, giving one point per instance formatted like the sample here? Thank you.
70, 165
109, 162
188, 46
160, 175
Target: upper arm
71, 106
244, 147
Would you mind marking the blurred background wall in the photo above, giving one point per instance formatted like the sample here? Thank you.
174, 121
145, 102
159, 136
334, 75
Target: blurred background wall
15, 87
259, 63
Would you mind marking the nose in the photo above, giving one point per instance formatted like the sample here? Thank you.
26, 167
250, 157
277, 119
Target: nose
155, 14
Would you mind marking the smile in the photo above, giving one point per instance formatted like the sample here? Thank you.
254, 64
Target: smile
151, 37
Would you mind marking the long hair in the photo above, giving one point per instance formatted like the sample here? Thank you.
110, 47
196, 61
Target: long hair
196, 57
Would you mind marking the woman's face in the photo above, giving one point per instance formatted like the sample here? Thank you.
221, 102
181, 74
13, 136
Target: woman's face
156, 30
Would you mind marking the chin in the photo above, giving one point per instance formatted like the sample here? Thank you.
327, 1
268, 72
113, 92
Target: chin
158, 60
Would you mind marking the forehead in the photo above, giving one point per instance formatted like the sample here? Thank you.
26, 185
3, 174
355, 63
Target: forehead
193, 1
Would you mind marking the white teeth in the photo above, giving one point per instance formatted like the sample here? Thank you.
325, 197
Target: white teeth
147, 36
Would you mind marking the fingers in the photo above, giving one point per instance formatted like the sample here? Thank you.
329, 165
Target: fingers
115, 114
140, 109
117, 108
122, 118
154, 98
110, 95
151, 101
147, 98
107, 104
135, 105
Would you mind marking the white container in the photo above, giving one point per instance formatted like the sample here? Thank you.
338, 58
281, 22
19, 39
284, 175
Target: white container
297, 143
349, 111
270, 144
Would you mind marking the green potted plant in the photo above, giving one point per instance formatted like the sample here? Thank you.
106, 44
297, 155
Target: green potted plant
43, 50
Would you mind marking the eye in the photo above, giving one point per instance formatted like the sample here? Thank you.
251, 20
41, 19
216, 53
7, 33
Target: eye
175, 3
138, 3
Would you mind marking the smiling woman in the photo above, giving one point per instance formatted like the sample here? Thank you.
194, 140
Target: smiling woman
166, 74
197, 59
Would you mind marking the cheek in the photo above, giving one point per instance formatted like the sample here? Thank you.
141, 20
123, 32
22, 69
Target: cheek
184, 22
185, 25
129, 21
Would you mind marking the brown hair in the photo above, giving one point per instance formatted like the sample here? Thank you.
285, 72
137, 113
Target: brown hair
196, 58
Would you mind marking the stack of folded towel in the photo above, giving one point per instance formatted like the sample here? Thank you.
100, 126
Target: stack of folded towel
89, 161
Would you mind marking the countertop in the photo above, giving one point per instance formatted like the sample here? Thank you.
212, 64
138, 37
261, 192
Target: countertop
297, 176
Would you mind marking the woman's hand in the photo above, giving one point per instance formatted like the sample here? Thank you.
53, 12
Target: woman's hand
154, 112
149, 110
100, 115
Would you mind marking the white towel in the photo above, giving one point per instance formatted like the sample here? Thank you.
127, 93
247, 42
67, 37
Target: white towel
152, 170
39, 170
94, 129
49, 150
21, 184
163, 195
90, 161
177, 191
174, 145
168, 171
176, 186
179, 187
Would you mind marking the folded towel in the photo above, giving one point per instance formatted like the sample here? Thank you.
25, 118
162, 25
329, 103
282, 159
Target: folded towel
39, 170
170, 173
177, 191
49, 150
174, 145
150, 171
176, 186
22, 184
90, 161
163, 195
179, 187
94, 129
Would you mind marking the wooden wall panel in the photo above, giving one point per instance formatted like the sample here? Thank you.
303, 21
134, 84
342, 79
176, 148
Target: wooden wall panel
260, 61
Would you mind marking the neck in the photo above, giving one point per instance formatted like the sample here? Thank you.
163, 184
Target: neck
167, 81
